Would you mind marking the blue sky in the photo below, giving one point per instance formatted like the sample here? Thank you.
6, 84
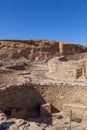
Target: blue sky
60, 20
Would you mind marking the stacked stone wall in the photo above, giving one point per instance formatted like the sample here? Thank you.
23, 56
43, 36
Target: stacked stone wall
30, 96
67, 70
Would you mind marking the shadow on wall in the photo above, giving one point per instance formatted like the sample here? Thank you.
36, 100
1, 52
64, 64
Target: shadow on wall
54, 110
23, 102
6, 125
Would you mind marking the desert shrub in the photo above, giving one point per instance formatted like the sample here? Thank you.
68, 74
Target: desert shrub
6, 62
76, 119
59, 116
14, 62
22, 62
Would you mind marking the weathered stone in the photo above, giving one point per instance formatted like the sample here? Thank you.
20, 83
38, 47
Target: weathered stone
13, 127
31, 49
33, 126
67, 70
20, 122
45, 109
2, 116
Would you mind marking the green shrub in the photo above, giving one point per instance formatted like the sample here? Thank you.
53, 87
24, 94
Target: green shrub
59, 116
76, 119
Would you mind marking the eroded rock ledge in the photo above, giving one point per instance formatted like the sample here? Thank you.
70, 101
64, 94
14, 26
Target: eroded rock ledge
37, 49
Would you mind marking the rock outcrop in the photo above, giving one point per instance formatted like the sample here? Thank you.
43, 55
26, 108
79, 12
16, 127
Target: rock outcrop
37, 49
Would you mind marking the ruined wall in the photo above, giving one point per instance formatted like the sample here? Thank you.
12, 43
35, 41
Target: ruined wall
67, 70
30, 96
61, 94
23, 97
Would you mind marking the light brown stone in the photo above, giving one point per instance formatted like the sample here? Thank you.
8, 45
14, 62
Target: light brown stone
77, 110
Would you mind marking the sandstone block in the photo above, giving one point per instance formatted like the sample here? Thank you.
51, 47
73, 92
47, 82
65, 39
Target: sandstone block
45, 109
34, 126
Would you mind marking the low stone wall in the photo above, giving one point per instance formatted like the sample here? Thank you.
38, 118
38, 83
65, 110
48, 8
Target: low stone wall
20, 100
77, 110
58, 95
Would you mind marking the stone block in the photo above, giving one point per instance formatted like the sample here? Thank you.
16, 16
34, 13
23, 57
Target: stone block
45, 109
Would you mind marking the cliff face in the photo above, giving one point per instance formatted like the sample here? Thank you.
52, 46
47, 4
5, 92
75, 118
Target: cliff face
37, 49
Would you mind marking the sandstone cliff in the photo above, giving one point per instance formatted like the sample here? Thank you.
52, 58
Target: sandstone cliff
37, 49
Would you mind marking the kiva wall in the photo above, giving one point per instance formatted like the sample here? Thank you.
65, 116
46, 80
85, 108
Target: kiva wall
30, 96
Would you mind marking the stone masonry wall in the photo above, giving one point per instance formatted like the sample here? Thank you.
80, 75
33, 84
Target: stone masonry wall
31, 96
58, 95
67, 70
20, 97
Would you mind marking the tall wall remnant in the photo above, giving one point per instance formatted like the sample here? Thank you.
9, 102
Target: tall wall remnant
60, 48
